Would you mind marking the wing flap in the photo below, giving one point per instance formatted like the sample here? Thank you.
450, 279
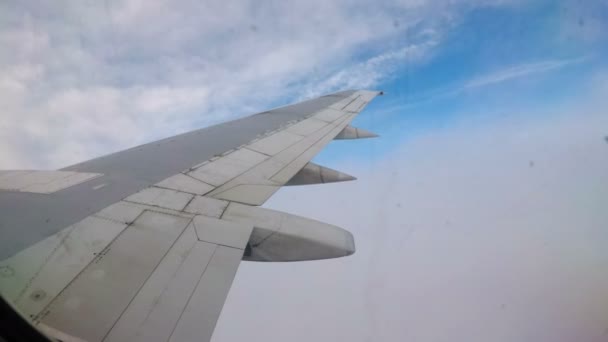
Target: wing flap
172, 282
308, 126
255, 186
164, 278
288, 155
183, 298
184, 183
275, 143
40, 272
90, 305
221, 170
160, 263
204, 307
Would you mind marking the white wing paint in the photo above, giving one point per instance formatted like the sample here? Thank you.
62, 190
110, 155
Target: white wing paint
158, 264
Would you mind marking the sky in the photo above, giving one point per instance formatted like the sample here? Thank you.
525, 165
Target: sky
479, 214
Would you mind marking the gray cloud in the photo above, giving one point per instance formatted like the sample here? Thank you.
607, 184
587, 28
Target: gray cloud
486, 231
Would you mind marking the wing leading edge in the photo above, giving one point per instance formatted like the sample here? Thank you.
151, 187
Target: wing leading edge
157, 263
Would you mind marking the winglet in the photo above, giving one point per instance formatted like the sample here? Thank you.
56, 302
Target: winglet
350, 132
312, 173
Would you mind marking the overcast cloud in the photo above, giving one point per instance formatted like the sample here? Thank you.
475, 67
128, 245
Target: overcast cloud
483, 231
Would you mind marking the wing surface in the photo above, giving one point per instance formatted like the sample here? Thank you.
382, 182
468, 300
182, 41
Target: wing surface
152, 257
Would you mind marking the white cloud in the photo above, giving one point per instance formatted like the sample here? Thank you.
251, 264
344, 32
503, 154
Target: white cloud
488, 79
72, 74
483, 231
521, 70
369, 73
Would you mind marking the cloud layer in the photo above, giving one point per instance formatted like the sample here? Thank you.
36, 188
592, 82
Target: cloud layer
486, 231
88, 78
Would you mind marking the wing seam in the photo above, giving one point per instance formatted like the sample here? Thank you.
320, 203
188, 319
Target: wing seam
190, 220
192, 294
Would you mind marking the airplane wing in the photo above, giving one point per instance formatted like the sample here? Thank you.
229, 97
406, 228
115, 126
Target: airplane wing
143, 244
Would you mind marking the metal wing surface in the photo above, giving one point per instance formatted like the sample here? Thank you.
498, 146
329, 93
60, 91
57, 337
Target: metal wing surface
143, 244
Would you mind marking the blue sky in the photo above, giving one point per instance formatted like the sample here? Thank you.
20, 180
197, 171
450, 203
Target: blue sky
200, 63
478, 214
527, 61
